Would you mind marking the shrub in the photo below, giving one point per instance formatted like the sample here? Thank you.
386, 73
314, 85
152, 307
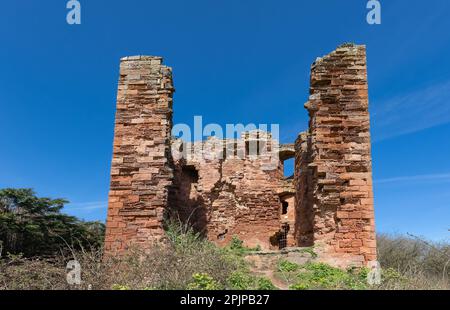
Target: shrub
236, 245
413, 263
244, 280
323, 276
407, 254
286, 266
240, 280
203, 281
310, 250
265, 284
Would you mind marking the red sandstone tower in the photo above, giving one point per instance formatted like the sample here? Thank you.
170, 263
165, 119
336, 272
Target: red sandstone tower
140, 172
334, 166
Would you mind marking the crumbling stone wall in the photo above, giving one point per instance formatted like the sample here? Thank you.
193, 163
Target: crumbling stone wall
335, 193
141, 171
229, 195
224, 191
304, 194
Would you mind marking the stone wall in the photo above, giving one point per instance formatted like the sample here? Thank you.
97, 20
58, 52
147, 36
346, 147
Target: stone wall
141, 172
303, 177
337, 186
227, 195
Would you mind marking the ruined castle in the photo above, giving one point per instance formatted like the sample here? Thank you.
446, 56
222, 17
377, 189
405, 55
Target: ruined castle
328, 203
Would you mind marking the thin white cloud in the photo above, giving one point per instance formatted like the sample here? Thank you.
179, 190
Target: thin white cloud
403, 114
415, 178
411, 112
87, 205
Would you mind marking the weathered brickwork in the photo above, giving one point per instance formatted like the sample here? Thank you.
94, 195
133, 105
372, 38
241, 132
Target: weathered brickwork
338, 172
303, 177
224, 191
141, 173
225, 195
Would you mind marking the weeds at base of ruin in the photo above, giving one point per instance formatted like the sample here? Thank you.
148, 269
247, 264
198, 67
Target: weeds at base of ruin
190, 262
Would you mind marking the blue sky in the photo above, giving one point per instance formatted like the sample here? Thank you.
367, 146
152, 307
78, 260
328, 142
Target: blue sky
234, 61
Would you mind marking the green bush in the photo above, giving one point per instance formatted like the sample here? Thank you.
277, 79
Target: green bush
203, 281
311, 251
119, 287
240, 280
236, 245
244, 280
323, 276
286, 266
265, 284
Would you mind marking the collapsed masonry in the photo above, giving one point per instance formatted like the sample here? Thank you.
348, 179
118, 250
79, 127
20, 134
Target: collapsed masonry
327, 204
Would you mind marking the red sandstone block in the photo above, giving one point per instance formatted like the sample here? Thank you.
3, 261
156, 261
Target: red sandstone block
339, 235
359, 194
369, 229
349, 207
367, 215
354, 215
355, 175
357, 182
339, 249
366, 201
366, 188
370, 257
112, 224
353, 250
344, 229
370, 243
120, 192
116, 205
352, 157
346, 243
114, 199
342, 214
113, 211
363, 235
115, 171
364, 250
345, 195
357, 243
142, 176
133, 198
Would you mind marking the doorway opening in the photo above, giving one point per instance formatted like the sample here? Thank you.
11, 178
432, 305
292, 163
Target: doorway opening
284, 207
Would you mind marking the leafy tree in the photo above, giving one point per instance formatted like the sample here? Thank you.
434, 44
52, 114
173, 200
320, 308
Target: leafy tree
35, 226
